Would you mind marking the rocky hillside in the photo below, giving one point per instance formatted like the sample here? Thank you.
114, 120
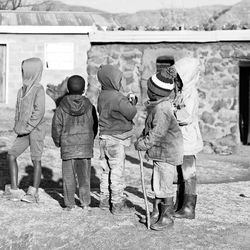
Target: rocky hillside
238, 14
59, 6
200, 18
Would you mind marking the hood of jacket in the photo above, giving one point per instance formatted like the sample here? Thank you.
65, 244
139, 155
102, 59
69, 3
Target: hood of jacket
32, 69
189, 71
75, 105
109, 77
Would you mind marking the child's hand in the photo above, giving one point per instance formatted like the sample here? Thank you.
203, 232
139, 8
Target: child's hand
133, 99
138, 146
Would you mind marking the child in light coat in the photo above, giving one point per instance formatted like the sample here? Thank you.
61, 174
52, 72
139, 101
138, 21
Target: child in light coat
188, 70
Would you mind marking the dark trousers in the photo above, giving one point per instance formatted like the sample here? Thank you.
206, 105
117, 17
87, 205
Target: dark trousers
76, 171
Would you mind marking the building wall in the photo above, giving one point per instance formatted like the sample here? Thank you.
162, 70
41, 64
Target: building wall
218, 86
23, 46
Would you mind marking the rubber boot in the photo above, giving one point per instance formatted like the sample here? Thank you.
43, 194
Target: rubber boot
180, 189
188, 209
154, 215
166, 215
179, 197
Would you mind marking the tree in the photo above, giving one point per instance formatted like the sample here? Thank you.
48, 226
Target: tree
15, 4
10, 4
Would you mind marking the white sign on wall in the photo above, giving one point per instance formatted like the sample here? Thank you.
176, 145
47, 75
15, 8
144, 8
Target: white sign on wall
59, 56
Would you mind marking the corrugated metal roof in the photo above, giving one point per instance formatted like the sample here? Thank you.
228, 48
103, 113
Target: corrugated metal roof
47, 18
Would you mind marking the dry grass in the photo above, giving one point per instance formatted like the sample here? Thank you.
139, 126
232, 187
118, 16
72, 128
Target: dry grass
222, 215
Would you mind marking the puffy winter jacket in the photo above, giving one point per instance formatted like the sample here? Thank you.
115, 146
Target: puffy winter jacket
162, 137
74, 127
115, 111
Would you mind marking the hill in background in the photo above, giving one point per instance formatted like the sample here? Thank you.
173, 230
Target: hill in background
199, 18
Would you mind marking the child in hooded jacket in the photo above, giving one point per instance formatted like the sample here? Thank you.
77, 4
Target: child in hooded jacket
74, 127
116, 113
163, 142
30, 129
188, 70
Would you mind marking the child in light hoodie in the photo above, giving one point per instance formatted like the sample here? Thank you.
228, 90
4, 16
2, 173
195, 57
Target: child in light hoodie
30, 129
188, 70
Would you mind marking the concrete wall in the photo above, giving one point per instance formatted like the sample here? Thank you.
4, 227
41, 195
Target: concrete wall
23, 46
218, 86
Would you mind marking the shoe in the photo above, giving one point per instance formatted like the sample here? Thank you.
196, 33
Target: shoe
188, 209
31, 196
166, 215
68, 209
122, 208
13, 194
154, 215
104, 203
86, 209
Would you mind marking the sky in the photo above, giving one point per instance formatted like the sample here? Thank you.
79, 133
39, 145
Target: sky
131, 6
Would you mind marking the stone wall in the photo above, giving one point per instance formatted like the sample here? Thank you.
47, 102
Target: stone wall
218, 86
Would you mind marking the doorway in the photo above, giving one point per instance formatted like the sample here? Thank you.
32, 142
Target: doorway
244, 102
2, 73
163, 61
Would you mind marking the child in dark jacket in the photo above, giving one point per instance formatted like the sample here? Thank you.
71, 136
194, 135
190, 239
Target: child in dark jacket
162, 140
74, 127
30, 129
116, 113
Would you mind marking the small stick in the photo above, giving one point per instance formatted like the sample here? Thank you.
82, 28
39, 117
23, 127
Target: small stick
144, 190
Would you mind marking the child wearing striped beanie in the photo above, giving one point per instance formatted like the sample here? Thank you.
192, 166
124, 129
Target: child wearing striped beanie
163, 142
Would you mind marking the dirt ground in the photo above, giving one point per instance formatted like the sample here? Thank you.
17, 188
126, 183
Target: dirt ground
222, 214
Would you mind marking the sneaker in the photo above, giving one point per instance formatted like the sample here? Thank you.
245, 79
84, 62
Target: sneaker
72, 209
31, 196
68, 209
86, 209
13, 194
104, 203
122, 208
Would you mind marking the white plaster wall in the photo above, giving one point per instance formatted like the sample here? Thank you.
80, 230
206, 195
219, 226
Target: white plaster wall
23, 46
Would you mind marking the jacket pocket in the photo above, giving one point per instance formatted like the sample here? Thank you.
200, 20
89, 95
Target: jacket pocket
38, 133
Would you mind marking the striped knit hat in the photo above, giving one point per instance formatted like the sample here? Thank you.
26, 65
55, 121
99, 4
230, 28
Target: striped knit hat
162, 83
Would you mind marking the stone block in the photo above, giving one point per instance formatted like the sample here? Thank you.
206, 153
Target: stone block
207, 117
228, 140
218, 68
98, 59
210, 133
214, 60
202, 94
219, 104
228, 115
92, 69
233, 70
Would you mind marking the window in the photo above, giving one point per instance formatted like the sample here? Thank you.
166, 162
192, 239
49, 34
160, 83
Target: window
59, 56
2, 73
164, 61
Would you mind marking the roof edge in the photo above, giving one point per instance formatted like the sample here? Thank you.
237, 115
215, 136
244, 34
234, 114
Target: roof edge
168, 36
31, 29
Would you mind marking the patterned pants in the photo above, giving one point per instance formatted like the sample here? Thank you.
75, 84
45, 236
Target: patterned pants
113, 164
